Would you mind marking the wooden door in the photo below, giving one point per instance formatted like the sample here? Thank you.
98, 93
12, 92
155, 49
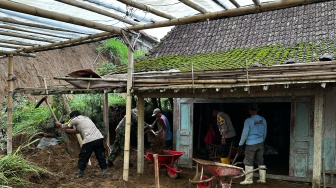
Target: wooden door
301, 141
184, 130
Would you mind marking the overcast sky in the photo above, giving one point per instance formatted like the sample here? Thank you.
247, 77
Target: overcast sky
159, 33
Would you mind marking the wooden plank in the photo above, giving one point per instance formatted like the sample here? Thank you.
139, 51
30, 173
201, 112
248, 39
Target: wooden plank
318, 127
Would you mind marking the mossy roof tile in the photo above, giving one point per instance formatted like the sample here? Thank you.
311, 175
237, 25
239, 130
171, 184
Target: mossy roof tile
268, 38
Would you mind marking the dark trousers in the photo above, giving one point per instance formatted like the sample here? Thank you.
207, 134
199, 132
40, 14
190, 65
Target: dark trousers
168, 144
225, 149
97, 147
254, 154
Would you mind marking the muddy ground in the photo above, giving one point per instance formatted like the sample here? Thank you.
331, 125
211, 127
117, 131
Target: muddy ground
58, 161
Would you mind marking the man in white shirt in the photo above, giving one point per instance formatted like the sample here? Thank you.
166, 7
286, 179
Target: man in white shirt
93, 140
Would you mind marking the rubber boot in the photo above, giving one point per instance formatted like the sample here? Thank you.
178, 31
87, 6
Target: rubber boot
104, 171
225, 160
109, 163
262, 174
248, 177
80, 174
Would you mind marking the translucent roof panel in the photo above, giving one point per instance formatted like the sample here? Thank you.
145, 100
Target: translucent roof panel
54, 23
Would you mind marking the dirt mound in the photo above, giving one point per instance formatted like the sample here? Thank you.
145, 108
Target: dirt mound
63, 170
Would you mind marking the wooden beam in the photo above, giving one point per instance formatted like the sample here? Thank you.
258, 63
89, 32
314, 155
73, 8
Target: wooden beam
128, 108
234, 2
194, 6
98, 10
35, 32
11, 20
256, 2
318, 134
225, 13
25, 36
146, 8
141, 140
31, 10
10, 83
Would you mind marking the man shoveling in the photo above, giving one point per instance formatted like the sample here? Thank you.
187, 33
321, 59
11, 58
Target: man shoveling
93, 140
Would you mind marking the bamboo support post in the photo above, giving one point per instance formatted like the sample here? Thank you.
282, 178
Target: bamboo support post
128, 109
141, 142
156, 171
10, 82
106, 119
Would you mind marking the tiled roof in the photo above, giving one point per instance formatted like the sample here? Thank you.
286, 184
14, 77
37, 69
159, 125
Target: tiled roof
268, 38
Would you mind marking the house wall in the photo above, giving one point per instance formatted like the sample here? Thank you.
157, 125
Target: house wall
302, 128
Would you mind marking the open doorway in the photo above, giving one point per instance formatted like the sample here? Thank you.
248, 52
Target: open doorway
277, 115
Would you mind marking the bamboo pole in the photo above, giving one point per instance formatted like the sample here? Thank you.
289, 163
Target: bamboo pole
35, 32
3, 53
106, 119
10, 82
11, 20
62, 43
194, 6
98, 10
256, 2
225, 13
141, 113
25, 36
16, 42
220, 4
235, 3
146, 8
10, 46
128, 109
27, 9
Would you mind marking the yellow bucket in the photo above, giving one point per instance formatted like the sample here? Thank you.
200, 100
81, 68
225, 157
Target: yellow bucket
225, 160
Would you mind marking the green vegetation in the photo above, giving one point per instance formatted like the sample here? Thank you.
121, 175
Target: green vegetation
118, 52
13, 167
26, 118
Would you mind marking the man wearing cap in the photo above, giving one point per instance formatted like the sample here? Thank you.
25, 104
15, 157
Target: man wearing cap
254, 134
227, 131
167, 135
